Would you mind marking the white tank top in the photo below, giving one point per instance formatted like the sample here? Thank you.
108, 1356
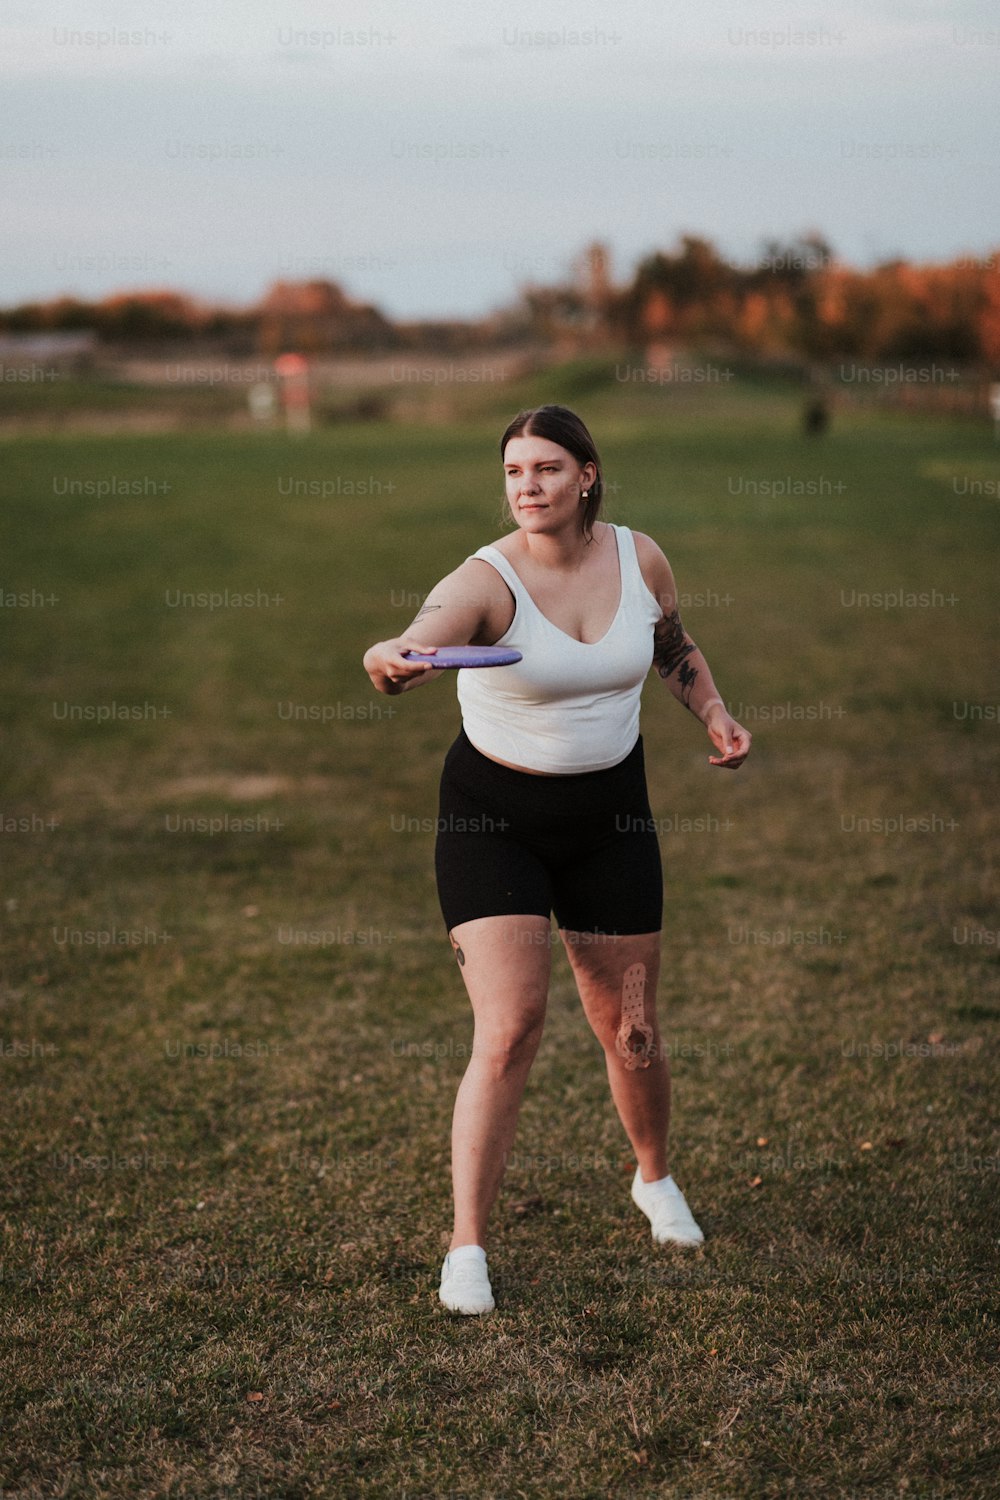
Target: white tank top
568, 706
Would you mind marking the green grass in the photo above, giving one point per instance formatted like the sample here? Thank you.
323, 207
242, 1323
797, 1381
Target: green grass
186, 1230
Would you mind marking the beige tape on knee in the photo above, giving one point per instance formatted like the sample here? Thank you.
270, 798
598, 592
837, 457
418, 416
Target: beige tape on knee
634, 1033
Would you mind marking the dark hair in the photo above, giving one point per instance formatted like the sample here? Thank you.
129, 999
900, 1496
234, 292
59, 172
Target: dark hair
557, 424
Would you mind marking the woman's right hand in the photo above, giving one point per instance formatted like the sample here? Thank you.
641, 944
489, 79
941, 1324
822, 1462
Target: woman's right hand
390, 671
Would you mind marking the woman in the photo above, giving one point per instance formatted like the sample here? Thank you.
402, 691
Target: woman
543, 807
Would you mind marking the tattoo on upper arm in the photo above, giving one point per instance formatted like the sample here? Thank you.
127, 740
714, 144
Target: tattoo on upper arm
671, 646
425, 610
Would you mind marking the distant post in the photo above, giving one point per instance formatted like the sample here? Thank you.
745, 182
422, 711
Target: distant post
262, 401
815, 417
995, 409
293, 372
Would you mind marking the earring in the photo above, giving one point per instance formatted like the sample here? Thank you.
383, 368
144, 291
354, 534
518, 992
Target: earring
584, 494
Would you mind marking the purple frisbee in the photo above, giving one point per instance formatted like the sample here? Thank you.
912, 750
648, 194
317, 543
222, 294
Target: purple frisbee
467, 656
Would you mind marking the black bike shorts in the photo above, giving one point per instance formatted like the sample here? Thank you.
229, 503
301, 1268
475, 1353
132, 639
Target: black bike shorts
583, 846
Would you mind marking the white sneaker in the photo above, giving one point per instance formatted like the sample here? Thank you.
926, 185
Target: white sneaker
465, 1282
664, 1205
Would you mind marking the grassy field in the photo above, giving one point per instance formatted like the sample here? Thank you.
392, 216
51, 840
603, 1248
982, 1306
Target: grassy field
233, 1027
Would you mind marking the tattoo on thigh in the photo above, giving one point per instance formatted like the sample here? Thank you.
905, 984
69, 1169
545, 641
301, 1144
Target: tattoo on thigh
635, 1035
458, 952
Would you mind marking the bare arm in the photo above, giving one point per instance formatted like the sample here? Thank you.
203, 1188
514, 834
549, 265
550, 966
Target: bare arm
683, 668
465, 606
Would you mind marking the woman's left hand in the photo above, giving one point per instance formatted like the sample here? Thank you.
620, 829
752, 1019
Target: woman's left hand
728, 736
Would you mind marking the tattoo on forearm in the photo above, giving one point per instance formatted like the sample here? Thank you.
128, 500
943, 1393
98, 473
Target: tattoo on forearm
671, 647
426, 610
687, 679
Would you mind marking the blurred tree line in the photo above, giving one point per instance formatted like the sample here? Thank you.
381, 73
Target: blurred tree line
794, 299
798, 299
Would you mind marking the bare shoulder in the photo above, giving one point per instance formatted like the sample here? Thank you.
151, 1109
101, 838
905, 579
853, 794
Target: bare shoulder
506, 545
482, 576
647, 550
462, 606
479, 580
656, 571
474, 581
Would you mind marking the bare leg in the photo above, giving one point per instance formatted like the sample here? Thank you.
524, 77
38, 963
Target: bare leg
505, 963
607, 976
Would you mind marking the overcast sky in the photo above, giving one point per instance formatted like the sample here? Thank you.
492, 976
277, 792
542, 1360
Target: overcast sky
432, 157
